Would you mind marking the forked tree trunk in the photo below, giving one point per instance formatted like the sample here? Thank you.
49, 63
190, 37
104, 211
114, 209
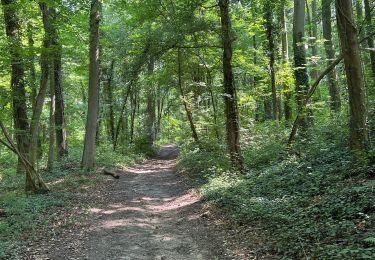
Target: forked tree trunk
88, 158
359, 132
230, 96
39, 101
334, 91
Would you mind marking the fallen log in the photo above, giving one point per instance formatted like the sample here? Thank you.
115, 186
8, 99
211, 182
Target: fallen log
111, 173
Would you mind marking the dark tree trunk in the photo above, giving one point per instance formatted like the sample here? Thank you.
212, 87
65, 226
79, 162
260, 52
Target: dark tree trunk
150, 120
88, 158
359, 132
21, 124
230, 96
51, 130
271, 54
60, 128
334, 92
300, 74
369, 29
31, 66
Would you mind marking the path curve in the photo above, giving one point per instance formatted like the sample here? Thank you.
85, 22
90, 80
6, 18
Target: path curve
149, 213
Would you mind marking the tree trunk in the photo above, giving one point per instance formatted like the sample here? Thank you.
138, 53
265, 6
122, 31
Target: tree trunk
20, 118
109, 95
271, 54
334, 91
369, 29
88, 158
51, 130
359, 133
60, 128
230, 97
31, 66
184, 101
150, 120
300, 73
39, 102
285, 59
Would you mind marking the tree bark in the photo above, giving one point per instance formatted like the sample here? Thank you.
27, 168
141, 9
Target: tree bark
51, 130
300, 73
60, 128
109, 96
271, 54
370, 40
334, 91
150, 120
88, 158
31, 66
21, 124
39, 101
359, 132
230, 96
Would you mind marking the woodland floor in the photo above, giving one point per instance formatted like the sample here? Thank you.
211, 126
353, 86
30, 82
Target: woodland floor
149, 213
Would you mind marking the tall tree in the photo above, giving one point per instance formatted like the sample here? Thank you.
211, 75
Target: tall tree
60, 127
189, 114
369, 29
334, 91
13, 32
285, 61
150, 121
272, 57
359, 132
230, 95
88, 158
300, 70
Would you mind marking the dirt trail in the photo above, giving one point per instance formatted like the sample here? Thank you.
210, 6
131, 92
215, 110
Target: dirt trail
149, 213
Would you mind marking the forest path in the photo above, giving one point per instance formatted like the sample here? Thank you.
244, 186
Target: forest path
149, 213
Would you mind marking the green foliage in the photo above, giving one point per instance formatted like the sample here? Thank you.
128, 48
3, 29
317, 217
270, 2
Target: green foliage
313, 202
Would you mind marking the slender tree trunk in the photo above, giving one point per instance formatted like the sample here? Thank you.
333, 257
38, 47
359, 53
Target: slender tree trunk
334, 91
300, 73
150, 120
271, 54
20, 118
88, 158
258, 104
230, 96
31, 66
134, 103
189, 114
60, 128
109, 95
285, 59
51, 130
369, 29
359, 132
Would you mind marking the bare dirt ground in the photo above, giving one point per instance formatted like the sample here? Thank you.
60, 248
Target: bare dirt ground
149, 213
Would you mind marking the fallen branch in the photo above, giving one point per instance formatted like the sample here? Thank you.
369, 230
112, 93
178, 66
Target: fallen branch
111, 173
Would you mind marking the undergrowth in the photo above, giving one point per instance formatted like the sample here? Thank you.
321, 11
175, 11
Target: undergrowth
312, 201
30, 217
